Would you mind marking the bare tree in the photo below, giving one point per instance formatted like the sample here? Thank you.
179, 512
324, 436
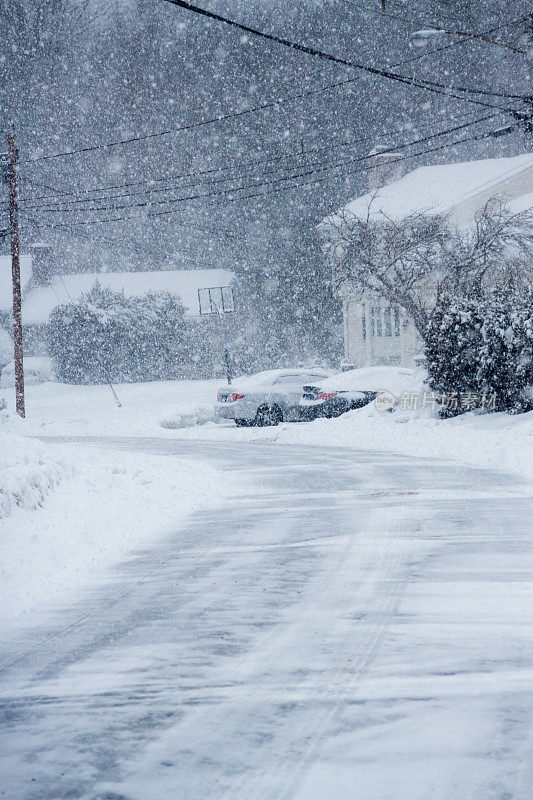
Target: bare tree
409, 261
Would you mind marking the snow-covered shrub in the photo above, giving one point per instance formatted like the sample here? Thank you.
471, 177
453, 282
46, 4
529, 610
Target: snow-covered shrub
108, 336
478, 352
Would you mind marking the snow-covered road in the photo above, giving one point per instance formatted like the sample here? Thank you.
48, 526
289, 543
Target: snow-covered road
355, 627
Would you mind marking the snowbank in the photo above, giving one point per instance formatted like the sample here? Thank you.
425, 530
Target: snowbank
28, 471
491, 441
185, 416
114, 503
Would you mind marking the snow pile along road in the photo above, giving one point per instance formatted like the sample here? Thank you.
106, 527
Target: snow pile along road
491, 441
113, 504
28, 471
186, 416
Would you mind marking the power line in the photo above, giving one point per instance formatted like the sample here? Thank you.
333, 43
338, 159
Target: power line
319, 165
57, 194
230, 198
438, 25
315, 181
190, 126
416, 82
242, 165
421, 83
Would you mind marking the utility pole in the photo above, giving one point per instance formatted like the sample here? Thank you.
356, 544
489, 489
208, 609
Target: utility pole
528, 121
15, 271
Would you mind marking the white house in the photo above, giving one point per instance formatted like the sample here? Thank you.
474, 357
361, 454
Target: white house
375, 332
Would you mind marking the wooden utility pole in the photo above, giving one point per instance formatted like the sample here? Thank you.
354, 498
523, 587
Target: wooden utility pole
15, 271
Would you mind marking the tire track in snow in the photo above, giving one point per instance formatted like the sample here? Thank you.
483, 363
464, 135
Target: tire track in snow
301, 745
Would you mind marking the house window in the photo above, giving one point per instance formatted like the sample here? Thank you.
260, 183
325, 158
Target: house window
384, 321
387, 320
396, 320
379, 325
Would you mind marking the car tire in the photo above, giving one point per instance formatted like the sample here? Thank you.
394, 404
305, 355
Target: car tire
268, 415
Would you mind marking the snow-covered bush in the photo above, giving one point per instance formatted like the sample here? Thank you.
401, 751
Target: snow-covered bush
479, 352
108, 336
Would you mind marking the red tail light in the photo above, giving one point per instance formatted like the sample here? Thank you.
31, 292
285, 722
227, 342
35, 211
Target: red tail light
234, 397
326, 395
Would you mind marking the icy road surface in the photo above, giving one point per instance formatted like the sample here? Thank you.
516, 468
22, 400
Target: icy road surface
358, 627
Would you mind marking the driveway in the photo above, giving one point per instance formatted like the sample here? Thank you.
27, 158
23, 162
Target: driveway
354, 626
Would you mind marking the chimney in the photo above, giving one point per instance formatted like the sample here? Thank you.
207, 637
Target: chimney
384, 167
41, 263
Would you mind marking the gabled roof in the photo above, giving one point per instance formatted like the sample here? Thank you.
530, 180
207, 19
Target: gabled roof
6, 347
63, 289
440, 189
6, 281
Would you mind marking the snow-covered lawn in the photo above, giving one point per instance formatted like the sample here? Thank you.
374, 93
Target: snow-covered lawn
60, 408
96, 506
110, 505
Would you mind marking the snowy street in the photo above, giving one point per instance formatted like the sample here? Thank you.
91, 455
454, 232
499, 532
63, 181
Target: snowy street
266, 400
355, 625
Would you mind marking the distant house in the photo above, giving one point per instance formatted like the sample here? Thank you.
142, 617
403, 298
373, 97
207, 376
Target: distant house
43, 290
45, 294
375, 332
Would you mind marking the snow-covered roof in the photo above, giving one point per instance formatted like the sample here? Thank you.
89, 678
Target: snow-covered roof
63, 289
6, 281
522, 203
444, 188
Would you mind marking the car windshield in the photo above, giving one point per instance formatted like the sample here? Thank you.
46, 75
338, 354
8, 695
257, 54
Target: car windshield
288, 379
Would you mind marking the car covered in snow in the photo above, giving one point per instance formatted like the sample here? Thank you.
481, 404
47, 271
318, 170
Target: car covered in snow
354, 389
266, 398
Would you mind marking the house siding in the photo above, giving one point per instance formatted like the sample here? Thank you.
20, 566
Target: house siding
376, 333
